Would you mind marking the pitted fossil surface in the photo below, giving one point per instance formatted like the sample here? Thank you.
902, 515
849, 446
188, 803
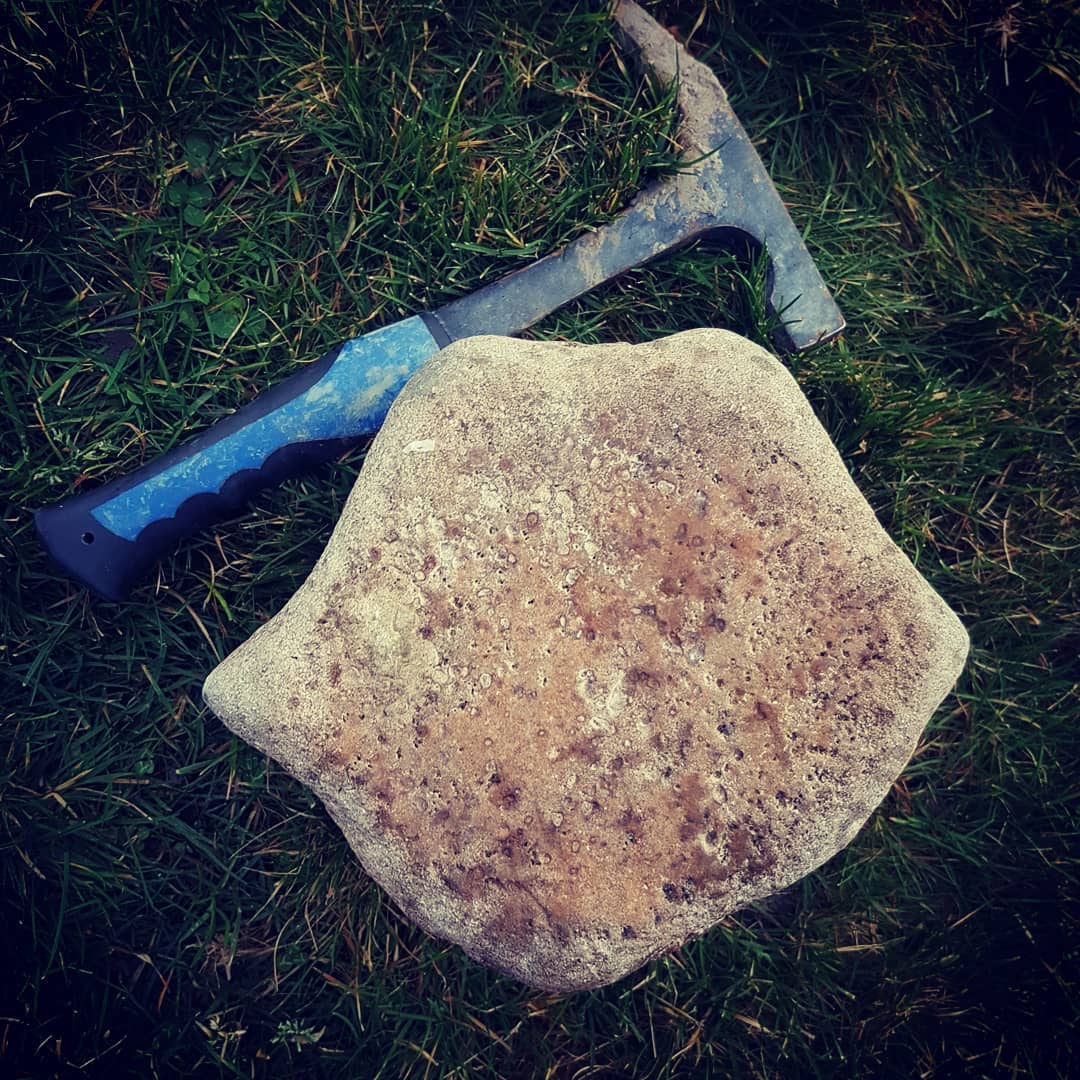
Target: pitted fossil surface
606, 645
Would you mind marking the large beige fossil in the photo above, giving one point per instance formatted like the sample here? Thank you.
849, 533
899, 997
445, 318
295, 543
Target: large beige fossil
606, 645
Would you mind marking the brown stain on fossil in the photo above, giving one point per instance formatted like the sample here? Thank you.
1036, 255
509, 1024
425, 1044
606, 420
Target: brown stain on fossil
613, 696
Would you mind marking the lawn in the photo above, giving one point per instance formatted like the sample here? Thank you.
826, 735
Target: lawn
199, 197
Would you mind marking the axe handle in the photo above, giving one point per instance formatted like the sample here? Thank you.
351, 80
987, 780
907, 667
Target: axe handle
111, 536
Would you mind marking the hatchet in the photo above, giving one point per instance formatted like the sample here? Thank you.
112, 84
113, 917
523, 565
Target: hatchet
110, 537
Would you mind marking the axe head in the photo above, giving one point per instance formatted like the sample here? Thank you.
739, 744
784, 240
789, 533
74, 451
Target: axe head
725, 185
722, 188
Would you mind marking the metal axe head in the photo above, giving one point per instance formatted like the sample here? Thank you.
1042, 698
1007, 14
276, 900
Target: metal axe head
722, 188
725, 185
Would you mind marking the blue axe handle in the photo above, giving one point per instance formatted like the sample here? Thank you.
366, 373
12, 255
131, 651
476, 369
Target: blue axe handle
110, 537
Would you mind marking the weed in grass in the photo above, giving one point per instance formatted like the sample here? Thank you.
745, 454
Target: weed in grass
200, 197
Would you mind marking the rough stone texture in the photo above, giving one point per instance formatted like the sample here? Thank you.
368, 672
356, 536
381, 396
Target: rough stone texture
605, 645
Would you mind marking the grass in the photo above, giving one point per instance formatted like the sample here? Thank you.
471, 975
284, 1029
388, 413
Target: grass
198, 196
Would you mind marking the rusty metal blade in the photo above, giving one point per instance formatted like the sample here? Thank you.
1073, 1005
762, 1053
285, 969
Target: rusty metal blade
724, 188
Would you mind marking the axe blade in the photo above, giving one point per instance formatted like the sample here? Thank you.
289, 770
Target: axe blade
723, 188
